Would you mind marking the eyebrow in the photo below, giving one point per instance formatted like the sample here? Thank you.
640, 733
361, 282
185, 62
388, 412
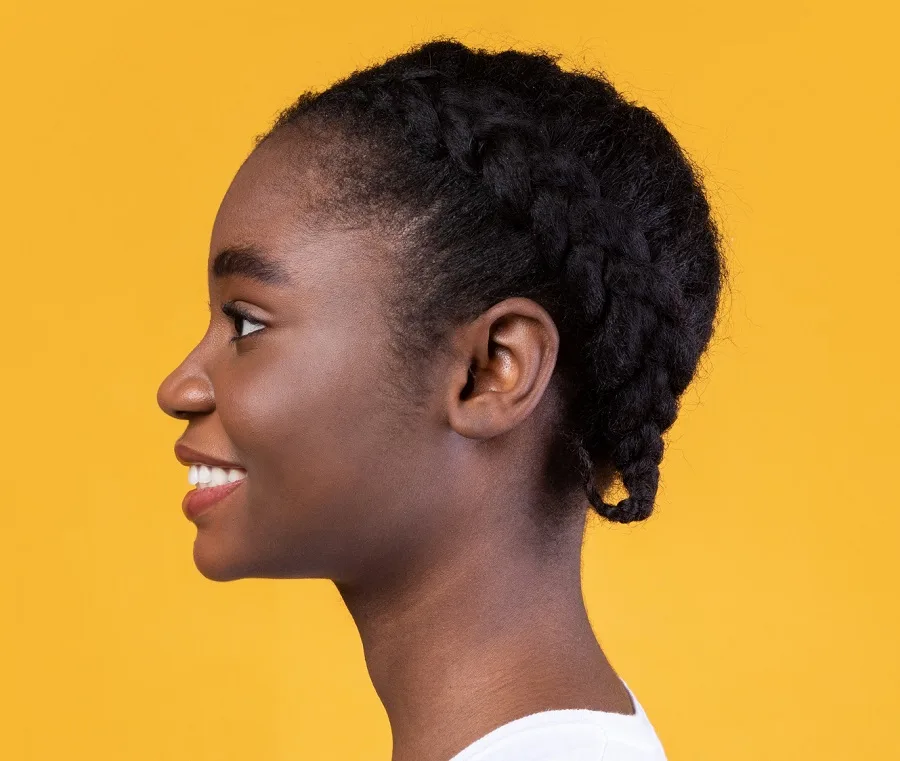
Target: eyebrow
251, 262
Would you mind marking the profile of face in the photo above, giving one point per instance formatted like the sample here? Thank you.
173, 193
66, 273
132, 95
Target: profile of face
289, 386
341, 474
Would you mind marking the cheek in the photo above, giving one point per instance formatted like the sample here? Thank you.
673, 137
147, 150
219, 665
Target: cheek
331, 466
316, 440
300, 426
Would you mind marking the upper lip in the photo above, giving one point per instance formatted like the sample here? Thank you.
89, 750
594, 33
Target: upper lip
188, 456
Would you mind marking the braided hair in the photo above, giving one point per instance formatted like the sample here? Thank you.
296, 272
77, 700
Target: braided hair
507, 176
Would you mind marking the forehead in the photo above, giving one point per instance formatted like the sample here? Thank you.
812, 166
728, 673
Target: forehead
278, 202
272, 195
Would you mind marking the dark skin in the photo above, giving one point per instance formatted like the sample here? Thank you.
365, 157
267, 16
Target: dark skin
470, 615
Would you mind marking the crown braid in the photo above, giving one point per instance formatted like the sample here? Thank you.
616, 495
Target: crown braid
573, 197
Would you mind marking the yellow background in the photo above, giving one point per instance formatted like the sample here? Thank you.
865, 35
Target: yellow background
755, 615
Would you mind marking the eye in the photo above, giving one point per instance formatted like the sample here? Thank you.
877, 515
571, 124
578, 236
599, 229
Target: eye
241, 321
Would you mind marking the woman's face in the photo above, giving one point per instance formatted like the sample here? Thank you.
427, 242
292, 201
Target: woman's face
338, 483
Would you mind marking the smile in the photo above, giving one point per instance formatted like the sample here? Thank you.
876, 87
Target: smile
205, 476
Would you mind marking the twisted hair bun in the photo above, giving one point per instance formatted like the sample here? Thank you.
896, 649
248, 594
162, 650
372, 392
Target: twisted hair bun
525, 179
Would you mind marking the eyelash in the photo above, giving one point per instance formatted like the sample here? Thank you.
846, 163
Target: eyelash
235, 313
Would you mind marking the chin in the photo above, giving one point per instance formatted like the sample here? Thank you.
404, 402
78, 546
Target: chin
216, 565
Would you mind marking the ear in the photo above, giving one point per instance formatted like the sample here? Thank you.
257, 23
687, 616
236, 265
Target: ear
505, 359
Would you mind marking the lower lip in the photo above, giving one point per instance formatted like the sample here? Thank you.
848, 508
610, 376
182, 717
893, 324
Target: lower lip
198, 501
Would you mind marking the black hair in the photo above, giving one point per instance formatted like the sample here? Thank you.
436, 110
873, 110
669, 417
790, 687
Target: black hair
509, 176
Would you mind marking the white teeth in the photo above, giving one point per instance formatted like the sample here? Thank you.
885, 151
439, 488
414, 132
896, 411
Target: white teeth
204, 476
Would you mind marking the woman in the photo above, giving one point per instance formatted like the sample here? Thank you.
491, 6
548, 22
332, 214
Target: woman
453, 297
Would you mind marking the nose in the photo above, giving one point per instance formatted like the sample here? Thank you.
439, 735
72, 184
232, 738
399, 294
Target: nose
187, 391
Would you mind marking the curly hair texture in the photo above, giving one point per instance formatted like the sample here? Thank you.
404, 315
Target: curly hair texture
505, 175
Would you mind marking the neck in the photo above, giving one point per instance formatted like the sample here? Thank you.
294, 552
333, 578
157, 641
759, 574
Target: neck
479, 638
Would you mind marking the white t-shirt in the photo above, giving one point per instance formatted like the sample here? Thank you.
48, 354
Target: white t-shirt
572, 734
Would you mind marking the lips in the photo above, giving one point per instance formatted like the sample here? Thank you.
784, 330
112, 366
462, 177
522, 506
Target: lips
219, 478
188, 456
198, 501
